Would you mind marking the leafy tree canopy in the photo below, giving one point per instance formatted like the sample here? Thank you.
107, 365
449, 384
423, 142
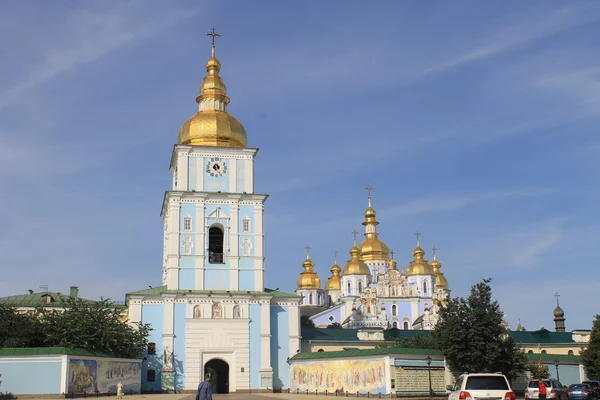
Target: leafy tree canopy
590, 357
416, 342
471, 335
538, 370
98, 326
306, 322
334, 325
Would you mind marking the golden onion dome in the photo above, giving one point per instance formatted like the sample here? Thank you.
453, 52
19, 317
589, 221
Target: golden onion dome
440, 279
335, 280
419, 266
372, 248
212, 125
356, 266
308, 278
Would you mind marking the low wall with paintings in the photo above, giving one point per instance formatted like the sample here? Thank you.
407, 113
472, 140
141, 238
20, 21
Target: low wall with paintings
92, 375
364, 376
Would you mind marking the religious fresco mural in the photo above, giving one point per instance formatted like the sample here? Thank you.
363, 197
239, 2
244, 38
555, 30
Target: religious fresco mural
102, 376
341, 375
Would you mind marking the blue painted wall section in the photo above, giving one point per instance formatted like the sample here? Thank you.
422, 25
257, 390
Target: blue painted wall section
216, 280
255, 357
280, 346
241, 176
324, 319
179, 345
187, 279
33, 377
246, 280
192, 173
153, 315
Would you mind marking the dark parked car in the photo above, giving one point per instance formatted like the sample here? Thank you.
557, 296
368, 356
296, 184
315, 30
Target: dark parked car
595, 385
581, 391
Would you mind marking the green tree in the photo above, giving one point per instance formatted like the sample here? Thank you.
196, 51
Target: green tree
416, 342
96, 326
590, 357
538, 369
335, 325
18, 329
306, 322
472, 337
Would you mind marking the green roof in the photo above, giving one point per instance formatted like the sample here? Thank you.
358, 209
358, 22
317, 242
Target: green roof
45, 351
356, 353
163, 290
36, 299
351, 334
542, 336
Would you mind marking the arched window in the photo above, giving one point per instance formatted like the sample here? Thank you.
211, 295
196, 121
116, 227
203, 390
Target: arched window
328, 300
310, 298
570, 352
349, 288
246, 225
530, 352
320, 350
187, 223
394, 309
424, 287
394, 325
215, 245
359, 286
544, 352
405, 325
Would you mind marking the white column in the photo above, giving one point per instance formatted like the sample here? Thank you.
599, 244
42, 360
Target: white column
64, 373
200, 247
259, 251
168, 328
249, 181
234, 245
389, 370
182, 169
294, 330
414, 311
135, 309
172, 247
265, 336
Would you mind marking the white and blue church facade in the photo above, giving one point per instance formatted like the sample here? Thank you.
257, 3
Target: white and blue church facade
212, 313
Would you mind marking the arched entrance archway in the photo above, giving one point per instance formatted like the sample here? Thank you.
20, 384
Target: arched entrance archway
219, 374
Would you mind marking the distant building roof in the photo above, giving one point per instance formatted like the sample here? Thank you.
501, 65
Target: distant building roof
542, 336
356, 353
38, 299
163, 290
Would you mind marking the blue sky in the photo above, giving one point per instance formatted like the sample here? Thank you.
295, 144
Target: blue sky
476, 122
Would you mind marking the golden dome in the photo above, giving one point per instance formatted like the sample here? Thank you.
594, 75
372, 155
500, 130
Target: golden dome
440, 279
335, 280
355, 266
308, 278
372, 248
212, 125
419, 266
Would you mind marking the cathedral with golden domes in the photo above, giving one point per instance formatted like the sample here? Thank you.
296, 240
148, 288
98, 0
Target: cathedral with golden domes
370, 291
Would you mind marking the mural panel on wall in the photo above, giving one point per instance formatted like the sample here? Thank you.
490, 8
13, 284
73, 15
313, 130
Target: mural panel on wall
91, 376
342, 375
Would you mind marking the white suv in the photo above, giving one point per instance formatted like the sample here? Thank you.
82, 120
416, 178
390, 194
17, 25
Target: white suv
481, 387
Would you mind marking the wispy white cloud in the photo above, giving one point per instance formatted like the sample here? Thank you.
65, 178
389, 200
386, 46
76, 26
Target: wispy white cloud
89, 35
524, 29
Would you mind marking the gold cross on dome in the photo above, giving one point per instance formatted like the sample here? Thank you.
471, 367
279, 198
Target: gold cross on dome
354, 233
307, 251
557, 296
418, 235
392, 253
213, 32
434, 249
335, 253
369, 188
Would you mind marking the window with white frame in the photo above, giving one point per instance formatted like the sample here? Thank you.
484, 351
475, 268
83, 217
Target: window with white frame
394, 310
187, 223
245, 224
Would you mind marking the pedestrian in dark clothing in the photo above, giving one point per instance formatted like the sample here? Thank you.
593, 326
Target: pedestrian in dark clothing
542, 390
204, 389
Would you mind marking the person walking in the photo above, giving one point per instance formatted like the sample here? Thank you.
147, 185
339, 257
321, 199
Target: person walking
542, 390
205, 389
120, 390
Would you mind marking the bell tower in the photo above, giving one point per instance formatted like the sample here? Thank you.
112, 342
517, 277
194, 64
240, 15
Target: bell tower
213, 220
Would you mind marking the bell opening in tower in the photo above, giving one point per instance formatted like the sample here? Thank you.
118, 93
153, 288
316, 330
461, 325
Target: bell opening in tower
215, 245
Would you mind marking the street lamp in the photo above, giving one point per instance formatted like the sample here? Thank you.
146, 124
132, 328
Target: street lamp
557, 375
428, 361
